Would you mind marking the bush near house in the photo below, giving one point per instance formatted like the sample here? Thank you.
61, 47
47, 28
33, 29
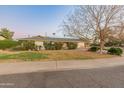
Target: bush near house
7, 44
53, 45
94, 48
115, 51
47, 45
71, 45
27, 45
58, 45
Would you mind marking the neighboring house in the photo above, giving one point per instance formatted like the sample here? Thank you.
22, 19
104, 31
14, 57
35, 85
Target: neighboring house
40, 39
2, 38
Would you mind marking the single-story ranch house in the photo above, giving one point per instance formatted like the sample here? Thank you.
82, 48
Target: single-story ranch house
40, 39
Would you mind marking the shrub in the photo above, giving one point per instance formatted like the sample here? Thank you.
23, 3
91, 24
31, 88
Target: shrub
47, 45
94, 49
71, 45
115, 51
7, 44
53, 45
58, 45
27, 45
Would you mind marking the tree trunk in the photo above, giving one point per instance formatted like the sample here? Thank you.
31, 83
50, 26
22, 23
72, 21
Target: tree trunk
101, 41
101, 46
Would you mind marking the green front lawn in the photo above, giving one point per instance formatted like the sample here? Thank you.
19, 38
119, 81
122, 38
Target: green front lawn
24, 56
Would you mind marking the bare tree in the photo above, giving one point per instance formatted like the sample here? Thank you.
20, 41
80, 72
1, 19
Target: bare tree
117, 33
120, 29
93, 22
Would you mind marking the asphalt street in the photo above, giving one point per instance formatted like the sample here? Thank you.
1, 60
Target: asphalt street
107, 77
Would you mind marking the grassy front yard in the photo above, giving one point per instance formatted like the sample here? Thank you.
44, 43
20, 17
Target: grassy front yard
24, 56
49, 55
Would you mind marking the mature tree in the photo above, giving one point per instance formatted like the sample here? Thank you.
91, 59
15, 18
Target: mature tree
91, 21
120, 34
117, 34
6, 33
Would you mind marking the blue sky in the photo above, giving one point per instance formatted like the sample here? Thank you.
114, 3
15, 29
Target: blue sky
33, 20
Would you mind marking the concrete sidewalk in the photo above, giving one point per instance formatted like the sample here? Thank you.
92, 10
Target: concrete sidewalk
26, 67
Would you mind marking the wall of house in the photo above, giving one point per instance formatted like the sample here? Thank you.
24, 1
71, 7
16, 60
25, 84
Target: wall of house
39, 45
64, 46
81, 45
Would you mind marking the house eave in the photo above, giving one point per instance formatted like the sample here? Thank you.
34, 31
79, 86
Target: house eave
52, 39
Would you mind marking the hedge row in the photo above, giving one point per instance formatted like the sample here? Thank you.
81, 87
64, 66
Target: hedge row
59, 45
71, 45
6, 44
53, 45
26, 45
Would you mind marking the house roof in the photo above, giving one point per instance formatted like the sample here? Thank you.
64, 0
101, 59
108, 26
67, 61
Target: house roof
41, 38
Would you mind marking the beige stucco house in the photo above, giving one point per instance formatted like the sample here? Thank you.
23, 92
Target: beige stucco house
40, 39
